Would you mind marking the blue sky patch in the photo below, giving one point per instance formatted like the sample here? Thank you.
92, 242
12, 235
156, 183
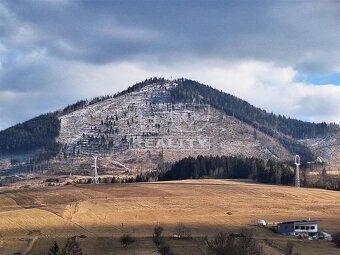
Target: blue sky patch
333, 78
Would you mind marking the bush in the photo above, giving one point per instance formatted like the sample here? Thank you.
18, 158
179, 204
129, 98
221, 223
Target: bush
126, 240
54, 249
72, 247
289, 248
336, 239
241, 244
247, 244
157, 235
164, 250
157, 231
52, 180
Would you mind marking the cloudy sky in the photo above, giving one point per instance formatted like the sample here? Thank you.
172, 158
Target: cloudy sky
282, 56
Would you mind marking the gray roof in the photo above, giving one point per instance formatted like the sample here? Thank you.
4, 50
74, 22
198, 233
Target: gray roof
300, 222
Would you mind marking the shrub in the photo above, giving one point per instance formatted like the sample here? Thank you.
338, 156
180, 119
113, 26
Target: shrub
157, 235
164, 250
289, 248
336, 239
157, 231
241, 244
54, 249
72, 247
247, 244
126, 240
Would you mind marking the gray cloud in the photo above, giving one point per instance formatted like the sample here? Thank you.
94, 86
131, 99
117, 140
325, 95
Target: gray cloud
46, 45
106, 31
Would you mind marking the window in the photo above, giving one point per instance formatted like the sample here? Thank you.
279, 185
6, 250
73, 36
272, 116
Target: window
307, 227
302, 227
296, 227
312, 227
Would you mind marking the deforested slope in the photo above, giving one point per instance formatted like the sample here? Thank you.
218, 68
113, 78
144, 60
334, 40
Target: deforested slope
160, 120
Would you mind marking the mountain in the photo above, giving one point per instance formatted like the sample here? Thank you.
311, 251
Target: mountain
158, 121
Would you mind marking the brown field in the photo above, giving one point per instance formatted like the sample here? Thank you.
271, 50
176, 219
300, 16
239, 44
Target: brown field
31, 219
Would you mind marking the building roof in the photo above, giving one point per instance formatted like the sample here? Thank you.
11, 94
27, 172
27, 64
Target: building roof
300, 222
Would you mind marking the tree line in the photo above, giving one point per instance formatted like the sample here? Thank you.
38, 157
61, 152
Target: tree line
37, 133
223, 243
230, 167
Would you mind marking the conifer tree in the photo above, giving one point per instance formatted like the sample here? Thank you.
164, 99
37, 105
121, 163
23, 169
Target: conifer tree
54, 249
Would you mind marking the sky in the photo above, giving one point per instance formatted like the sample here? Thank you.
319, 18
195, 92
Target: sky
282, 56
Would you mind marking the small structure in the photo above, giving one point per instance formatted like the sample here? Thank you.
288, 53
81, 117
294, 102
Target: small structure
261, 223
182, 232
307, 228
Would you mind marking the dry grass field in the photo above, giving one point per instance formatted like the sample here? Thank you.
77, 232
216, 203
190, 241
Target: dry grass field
30, 220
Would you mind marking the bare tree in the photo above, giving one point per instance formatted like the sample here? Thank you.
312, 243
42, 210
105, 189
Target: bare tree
222, 244
241, 244
247, 245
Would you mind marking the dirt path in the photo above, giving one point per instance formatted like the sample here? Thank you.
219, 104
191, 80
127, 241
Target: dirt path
30, 245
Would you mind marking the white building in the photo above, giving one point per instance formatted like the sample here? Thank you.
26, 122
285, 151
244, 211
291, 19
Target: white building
300, 227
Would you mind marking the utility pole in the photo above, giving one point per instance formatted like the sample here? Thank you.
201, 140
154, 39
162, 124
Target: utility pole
95, 172
297, 171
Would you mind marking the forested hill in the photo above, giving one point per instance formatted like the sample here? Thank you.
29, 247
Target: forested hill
41, 132
37, 133
189, 90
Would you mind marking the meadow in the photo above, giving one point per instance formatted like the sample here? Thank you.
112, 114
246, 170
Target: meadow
31, 219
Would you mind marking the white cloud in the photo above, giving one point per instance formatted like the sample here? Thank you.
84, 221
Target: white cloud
62, 51
273, 88
263, 84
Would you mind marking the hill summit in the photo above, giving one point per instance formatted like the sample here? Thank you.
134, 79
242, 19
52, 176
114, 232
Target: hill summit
158, 121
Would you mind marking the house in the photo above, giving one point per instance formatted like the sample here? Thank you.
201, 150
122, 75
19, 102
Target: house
308, 228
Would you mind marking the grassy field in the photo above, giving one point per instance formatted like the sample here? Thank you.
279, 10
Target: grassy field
30, 220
